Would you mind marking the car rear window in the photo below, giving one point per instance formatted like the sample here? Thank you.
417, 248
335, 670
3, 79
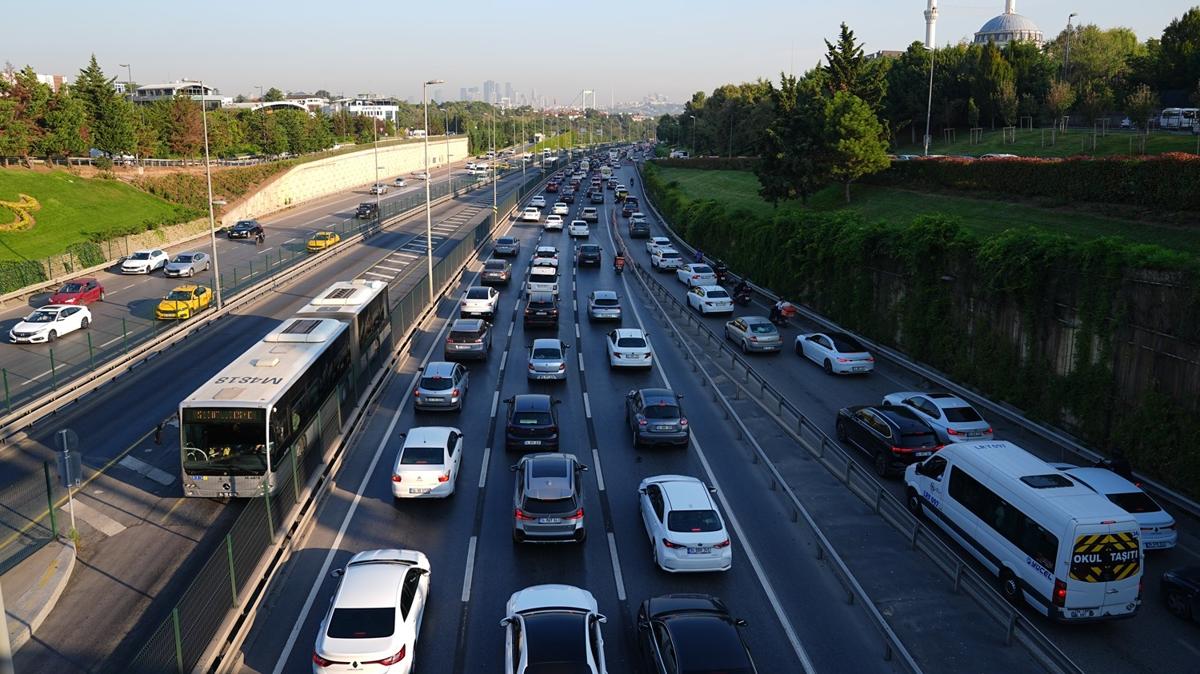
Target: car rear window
477, 294
465, 335
436, 383
420, 456
631, 342
494, 265
693, 521
702, 269
662, 412
760, 328
539, 506
668, 253
362, 623
1134, 502
507, 241
917, 439
531, 419
961, 414
606, 302
183, 258
72, 288
846, 344
547, 353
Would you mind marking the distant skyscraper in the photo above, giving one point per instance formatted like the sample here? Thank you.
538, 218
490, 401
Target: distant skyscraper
462, 94
508, 91
489, 92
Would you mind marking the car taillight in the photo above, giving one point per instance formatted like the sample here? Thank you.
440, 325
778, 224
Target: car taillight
951, 431
870, 359
320, 661
396, 477
444, 477
989, 430
695, 277
722, 544
562, 367
642, 422
391, 659
454, 392
843, 360
673, 545
519, 514
578, 515
554, 312
1060, 593
416, 393
682, 421
753, 338
902, 450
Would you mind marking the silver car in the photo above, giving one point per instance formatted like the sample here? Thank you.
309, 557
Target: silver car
548, 499
187, 264
443, 386
952, 418
507, 246
753, 333
604, 305
547, 360
468, 338
496, 271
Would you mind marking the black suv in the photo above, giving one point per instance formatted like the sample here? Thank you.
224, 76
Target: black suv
567, 197
367, 210
541, 309
691, 633
532, 423
639, 229
597, 197
245, 229
588, 253
630, 207
892, 435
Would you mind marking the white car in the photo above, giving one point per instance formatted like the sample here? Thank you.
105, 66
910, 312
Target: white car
379, 188
710, 299
421, 175
561, 208
538, 202
50, 322
836, 352
665, 258
400, 182
531, 214
1157, 525
655, 241
375, 616
553, 628
578, 228
628, 347
686, 531
427, 465
554, 222
545, 253
543, 277
696, 274
479, 301
952, 418
144, 261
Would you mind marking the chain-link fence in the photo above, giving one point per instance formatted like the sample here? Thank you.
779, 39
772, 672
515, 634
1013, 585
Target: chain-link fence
27, 517
179, 642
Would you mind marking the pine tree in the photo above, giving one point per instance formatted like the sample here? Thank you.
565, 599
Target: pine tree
65, 122
856, 139
847, 69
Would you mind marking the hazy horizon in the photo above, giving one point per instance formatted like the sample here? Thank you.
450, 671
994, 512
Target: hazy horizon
622, 50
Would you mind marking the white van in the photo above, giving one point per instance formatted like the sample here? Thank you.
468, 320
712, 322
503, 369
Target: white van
543, 277
1067, 551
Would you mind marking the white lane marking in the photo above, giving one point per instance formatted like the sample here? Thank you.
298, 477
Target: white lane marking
503, 360
375, 273
404, 255
350, 512
616, 564
599, 470
264, 250
580, 361
768, 588
495, 402
587, 406
470, 570
574, 306
577, 335
379, 266
1190, 647
1187, 549
487, 455
510, 329
290, 240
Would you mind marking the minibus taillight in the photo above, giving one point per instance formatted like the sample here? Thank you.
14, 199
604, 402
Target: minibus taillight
1060, 592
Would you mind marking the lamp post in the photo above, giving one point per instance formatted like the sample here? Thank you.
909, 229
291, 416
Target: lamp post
129, 80
693, 134
374, 187
212, 226
929, 102
492, 164
1067, 51
429, 179
449, 170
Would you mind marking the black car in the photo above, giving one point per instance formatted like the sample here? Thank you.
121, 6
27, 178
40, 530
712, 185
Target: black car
245, 229
496, 272
655, 417
1181, 591
541, 310
691, 633
532, 423
567, 197
892, 435
367, 210
588, 253
596, 197
639, 229
468, 338
630, 207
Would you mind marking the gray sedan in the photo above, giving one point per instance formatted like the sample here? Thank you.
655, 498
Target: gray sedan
547, 360
187, 264
753, 333
603, 305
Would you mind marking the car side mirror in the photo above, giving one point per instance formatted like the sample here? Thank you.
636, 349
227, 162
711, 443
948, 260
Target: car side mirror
600, 618
643, 624
641, 491
679, 396
556, 401
740, 622
513, 468
337, 573
581, 467
712, 489
509, 400
401, 435
505, 622
631, 394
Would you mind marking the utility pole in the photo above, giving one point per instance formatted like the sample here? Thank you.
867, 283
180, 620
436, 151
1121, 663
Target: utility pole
1067, 51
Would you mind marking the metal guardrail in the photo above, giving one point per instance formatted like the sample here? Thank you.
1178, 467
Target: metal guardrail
1064, 441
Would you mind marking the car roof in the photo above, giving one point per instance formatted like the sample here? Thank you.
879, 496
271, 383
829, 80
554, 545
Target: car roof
670, 603
654, 396
545, 249
604, 294
54, 307
531, 402
756, 320
428, 436
467, 325
683, 492
371, 583
901, 418
546, 343
549, 477
1102, 480
557, 639
629, 332
552, 596
438, 368
706, 642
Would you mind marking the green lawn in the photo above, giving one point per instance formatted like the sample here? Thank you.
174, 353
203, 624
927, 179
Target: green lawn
561, 141
70, 207
739, 189
1036, 143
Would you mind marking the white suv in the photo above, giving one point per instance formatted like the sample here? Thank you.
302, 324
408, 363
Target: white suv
664, 259
531, 214
628, 347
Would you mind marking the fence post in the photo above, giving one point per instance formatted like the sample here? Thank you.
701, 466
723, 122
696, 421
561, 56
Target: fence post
178, 640
91, 352
267, 501
50, 499
53, 374
232, 572
7, 398
124, 336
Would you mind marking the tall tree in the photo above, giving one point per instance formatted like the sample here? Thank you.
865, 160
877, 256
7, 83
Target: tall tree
66, 122
992, 75
847, 69
1180, 51
1006, 103
795, 160
908, 87
857, 142
16, 133
273, 94
1059, 100
95, 89
114, 131
185, 127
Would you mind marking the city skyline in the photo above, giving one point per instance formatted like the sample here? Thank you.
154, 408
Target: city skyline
721, 44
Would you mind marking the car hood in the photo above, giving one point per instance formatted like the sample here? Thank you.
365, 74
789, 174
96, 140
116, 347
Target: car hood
179, 265
24, 326
135, 263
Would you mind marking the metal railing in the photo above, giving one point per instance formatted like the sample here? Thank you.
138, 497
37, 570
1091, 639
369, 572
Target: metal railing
24, 527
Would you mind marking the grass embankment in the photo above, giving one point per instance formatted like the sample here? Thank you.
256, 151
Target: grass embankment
70, 208
560, 141
739, 189
1036, 143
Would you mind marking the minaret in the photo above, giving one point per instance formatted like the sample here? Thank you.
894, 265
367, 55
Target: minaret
931, 23
1010, 6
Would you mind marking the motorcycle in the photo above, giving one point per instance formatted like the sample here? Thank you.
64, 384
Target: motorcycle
722, 273
742, 298
619, 266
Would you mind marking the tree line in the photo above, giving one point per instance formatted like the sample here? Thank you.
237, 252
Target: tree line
90, 113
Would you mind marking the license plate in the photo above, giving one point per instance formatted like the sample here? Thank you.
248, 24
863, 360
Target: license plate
461, 347
418, 490
698, 551
545, 376
921, 454
539, 313
662, 428
434, 400
533, 442
859, 368
1081, 613
549, 520
974, 434
1154, 545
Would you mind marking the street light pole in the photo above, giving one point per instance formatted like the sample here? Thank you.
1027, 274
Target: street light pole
449, 171
495, 210
129, 80
212, 226
929, 102
375, 128
1067, 52
693, 134
429, 179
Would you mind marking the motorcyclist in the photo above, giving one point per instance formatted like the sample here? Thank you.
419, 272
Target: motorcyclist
619, 261
741, 288
777, 311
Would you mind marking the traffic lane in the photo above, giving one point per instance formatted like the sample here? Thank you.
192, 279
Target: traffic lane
819, 396
843, 639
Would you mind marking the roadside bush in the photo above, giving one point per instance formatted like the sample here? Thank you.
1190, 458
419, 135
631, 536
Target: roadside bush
103, 163
88, 253
15, 275
191, 190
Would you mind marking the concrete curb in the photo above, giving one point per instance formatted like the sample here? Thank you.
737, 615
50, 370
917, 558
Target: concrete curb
46, 573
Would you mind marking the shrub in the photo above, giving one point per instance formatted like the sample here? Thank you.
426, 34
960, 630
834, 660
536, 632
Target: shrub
103, 163
15, 275
88, 253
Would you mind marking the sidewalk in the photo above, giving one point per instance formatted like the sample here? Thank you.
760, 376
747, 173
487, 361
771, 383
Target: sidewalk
32, 588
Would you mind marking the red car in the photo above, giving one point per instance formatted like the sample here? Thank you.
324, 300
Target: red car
552, 187
79, 291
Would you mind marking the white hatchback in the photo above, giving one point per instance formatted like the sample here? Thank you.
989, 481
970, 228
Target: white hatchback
655, 241
539, 201
479, 301
628, 347
578, 228
144, 261
561, 208
554, 222
686, 531
427, 465
665, 258
710, 299
696, 274
531, 214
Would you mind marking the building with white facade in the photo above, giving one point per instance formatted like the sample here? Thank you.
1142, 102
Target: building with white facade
210, 97
383, 109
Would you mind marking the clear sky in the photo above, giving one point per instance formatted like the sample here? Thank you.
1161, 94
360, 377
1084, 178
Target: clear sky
629, 48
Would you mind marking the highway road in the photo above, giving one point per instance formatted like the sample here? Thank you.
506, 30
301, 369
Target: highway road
130, 502
1154, 641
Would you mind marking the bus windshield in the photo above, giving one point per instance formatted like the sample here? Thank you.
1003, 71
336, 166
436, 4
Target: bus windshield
229, 441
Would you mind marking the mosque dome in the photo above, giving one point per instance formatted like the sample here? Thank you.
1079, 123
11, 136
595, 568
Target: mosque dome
1009, 27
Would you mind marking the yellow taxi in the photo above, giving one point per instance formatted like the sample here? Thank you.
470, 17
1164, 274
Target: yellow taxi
183, 302
322, 240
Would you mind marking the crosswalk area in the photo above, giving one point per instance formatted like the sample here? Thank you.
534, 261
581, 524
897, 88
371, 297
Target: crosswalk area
391, 266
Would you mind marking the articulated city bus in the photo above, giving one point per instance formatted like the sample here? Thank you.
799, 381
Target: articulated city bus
288, 396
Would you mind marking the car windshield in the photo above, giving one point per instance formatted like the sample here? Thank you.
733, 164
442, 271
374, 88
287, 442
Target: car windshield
846, 344
1134, 502
761, 328
531, 418
631, 342
477, 294
436, 383
225, 441
41, 317
321, 237
505, 241
693, 521
669, 253
661, 412
182, 258
547, 353
589, 248
422, 456
72, 288
961, 414
180, 295
539, 506
140, 256
362, 623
